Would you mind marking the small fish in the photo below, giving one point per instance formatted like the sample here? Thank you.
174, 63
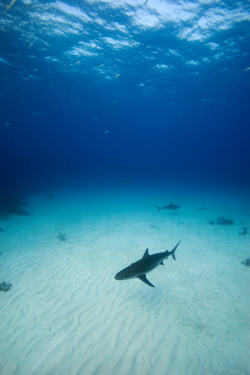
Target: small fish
78, 62
10, 5
31, 44
4, 61
245, 70
117, 75
106, 131
171, 206
99, 66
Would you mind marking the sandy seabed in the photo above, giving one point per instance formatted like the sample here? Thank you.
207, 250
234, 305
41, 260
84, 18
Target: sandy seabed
67, 315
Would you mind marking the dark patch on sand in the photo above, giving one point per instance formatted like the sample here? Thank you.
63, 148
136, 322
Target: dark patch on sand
243, 231
12, 205
222, 221
61, 236
5, 287
246, 262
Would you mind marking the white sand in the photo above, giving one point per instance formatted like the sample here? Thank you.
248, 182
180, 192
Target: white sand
66, 315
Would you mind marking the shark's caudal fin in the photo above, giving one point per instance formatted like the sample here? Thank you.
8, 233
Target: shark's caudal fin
172, 253
145, 280
158, 208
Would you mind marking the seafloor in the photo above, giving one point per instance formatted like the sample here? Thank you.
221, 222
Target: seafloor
66, 314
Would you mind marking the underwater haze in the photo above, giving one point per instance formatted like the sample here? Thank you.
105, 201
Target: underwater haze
124, 126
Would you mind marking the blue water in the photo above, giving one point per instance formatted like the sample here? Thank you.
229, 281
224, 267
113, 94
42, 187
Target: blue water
121, 90
108, 109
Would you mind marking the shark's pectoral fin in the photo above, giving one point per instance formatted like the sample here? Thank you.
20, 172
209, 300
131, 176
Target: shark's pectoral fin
162, 263
145, 280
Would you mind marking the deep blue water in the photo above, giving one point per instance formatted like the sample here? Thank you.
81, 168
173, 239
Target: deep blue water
178, 111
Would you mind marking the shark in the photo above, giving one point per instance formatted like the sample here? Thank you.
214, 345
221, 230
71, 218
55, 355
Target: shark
145, 265
170, 206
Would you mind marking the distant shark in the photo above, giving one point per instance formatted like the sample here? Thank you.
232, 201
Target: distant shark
171, 206
145, 265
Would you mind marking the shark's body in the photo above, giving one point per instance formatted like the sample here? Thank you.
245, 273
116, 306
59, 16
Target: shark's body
145, 265
170, 206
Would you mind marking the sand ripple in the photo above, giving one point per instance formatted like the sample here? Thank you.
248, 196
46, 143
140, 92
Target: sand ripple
67, 315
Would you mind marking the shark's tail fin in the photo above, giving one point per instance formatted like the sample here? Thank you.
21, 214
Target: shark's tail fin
172, 253
158, 208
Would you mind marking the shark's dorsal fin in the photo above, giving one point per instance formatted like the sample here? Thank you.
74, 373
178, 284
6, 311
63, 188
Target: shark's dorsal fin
146, 254
162, 263
145, 280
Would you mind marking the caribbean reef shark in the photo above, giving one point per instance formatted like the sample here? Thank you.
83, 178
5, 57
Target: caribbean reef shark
145, 265
171, 206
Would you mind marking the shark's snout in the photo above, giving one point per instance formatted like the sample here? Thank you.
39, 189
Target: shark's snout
118, 276
121, 275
